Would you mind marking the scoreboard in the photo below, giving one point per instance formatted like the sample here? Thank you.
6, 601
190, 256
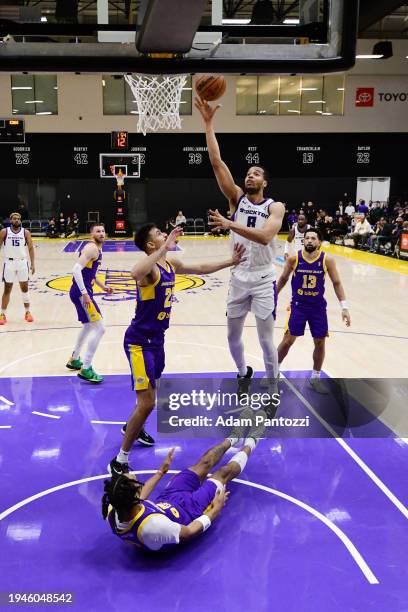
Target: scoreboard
176, 155
11, 131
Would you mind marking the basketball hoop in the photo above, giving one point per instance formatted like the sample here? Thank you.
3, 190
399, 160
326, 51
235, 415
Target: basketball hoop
158, 100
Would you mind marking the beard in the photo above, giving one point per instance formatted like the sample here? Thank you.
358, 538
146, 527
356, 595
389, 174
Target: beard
309, 248
252, 190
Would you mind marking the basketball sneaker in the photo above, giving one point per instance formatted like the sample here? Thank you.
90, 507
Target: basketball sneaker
28, 317
256, 432
90, 375
117, 469
244, 382
74, 364
143, 437
237, 433
318, 385
3, 319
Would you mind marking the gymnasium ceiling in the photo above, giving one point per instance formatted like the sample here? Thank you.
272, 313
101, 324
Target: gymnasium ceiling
378, 18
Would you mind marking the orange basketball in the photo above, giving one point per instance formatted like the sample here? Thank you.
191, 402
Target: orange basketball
210, 86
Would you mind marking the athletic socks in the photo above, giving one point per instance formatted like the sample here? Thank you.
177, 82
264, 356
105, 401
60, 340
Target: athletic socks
122, 457
316, 374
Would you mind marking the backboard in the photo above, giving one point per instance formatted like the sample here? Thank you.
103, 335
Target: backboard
253, 37
127, 164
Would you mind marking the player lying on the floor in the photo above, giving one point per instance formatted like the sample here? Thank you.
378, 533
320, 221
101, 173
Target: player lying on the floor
188, 504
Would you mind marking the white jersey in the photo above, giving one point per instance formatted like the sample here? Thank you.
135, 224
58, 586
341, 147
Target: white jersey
15, 244
299, 239
260, 259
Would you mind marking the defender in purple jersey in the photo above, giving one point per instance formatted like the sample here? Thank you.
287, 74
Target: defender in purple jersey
84, 277
144, 338
187, 505
308, 305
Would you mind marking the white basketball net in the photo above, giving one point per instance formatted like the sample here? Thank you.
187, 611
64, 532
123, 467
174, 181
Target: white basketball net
158, 100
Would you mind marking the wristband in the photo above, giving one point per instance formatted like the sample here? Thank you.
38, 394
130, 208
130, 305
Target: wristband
205, 521
344, 305
286, 248
160, 472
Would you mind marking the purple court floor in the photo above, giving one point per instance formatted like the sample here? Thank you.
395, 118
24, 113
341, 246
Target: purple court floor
316, 524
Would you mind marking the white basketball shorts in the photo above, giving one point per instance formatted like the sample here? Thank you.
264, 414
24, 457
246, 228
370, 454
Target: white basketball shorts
15, 270
259, 298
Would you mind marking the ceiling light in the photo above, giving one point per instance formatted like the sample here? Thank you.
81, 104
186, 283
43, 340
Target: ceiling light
283, 101
14, 88
34, 101
327, 113
44, 19
44, 113
307, 89
369, 56
235, 21
293, 111
317, 101
340, 89
291, 21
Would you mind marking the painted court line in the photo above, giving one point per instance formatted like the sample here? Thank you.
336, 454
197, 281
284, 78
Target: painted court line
5, 426
372, 475
50, 416
351, 548
3, 400
109, 422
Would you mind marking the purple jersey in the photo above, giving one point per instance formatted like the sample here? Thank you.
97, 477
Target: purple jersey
88, 274
153, 304
132, 532
308, 280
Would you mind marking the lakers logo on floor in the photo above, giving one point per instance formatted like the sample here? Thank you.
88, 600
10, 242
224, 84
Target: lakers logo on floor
123, 284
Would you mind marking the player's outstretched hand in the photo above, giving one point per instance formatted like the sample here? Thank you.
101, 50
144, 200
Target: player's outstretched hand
172, 238
167, 462
345, 315
238, 254
109, 290
217, 220
220, 500
207, 111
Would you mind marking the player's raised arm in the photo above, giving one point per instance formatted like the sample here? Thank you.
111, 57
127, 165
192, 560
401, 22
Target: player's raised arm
237, 257
222, 173
202, 523
145, 266
286, 272
151, 483
263, 235
338, 289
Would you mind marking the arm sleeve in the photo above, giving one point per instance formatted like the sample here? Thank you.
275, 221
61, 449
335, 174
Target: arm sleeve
77, 273
158, 531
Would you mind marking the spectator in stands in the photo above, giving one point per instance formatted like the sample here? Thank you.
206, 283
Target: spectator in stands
69, 228
170, 224
292, 218
6, 221
22, 208
310, 213
61, 225
405, 214
327, 227
340, 208
52, 231
340, 229
362, 207
382, 235
180, 219
349, 210
361, 232
75, 224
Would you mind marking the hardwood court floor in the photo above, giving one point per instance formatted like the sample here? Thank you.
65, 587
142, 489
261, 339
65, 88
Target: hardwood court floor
375, 346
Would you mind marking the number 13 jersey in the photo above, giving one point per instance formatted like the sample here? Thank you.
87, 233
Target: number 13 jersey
259, 258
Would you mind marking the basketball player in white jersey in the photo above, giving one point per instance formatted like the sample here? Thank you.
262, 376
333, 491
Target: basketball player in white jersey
16, 241
255, 221
296, 236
